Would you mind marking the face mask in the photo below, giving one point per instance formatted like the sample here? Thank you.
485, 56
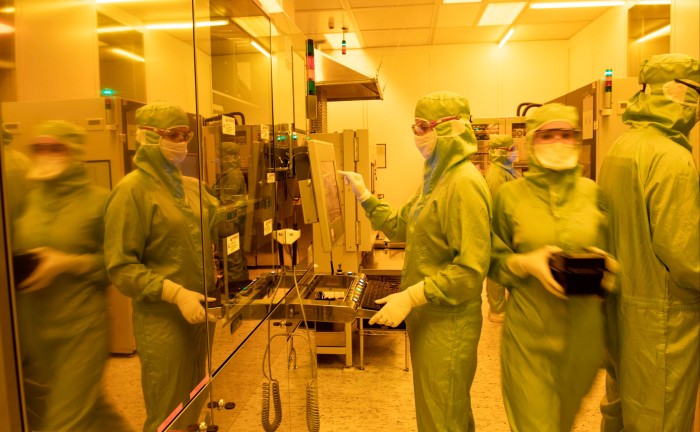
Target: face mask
557, 156
426, 143
48, 167
174, 152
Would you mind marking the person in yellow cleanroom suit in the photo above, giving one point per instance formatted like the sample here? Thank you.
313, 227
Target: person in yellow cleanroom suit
62, 303
651, 181
159, 227
552, 343
502, 153
446, 230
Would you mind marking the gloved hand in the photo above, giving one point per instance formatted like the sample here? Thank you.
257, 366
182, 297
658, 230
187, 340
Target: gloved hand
536, 263
188, 302
53, 262
611, 266
398, 305
357, 184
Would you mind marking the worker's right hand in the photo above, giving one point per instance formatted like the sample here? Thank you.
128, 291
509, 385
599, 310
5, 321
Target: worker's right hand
398, 305
53, 262
357, 184
536, 263
187, 301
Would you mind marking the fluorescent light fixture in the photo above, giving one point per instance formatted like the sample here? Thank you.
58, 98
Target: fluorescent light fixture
663, 31
653, 2
460, 1
501, 13
271, 6
185, 25
128, 55
114, 29
6, 29
336, 40
260, 48
576, 4
7, 10
506, 37
256, 26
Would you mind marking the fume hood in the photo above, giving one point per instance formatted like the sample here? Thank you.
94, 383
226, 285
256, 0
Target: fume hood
342, 83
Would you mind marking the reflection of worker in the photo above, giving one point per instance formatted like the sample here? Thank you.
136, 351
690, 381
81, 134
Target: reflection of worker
15, 165
446, 230
157, 253
652, 183
62, 304
502, 153
552, 345
233, 189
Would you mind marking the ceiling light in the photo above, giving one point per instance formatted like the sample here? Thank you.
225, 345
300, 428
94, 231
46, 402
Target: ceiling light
7, 10
6, 29
576, 4
185, 25
460, 1
128, 54
501, 13
114, 29
260, 48
663, 31
336, 40
271, 6
506, 37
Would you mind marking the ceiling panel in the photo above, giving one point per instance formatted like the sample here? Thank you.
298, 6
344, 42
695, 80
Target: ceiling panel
398, 17
551, 31
303, 5
393, 38
459, 15
532, 16
387, 3
490, 34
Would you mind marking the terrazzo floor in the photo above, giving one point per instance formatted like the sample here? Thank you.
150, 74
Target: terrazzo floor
376, 399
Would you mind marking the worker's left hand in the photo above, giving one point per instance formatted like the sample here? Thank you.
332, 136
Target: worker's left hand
398, 305
52, 262
611, 266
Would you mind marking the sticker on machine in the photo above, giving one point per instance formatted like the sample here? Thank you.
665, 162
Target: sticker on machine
267, 227
233, 243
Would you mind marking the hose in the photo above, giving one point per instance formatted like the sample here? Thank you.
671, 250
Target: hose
313, 420
277, 403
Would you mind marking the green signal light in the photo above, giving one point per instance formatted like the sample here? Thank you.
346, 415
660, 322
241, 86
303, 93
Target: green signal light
107, 92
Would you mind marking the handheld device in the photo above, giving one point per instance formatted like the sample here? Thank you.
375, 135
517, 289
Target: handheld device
579, 273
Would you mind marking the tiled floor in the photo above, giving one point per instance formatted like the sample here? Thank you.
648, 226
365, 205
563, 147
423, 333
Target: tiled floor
378, 398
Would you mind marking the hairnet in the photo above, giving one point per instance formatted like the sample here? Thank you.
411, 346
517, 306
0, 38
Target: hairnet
550, 113
660, 69
500, 141
6, 135
160, 115
437, 105
230, 148
68, 134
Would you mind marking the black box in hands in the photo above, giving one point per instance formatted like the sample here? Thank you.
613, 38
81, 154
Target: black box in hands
579, 273
23, 265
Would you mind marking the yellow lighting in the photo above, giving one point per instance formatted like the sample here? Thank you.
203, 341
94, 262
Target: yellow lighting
185, 25
336, 40
128, 55
501, 13
116, 1
506, 37
259, 48
460, 1
653, 2
271, 6
663, 31
6, 29
114, 29
576, 4
7, 10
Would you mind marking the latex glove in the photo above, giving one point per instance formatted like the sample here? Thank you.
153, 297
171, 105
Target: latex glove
357, 184
398, 305
611, 266
188, 302
53, 262
536, 263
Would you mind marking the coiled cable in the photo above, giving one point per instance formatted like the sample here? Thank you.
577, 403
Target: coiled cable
313, 420
277, 403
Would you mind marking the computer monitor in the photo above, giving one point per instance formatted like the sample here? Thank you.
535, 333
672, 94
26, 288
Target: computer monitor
320, 193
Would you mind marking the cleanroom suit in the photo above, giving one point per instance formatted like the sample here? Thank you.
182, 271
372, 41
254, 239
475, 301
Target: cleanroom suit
551, 347
62, 305
651, 181
158, 226
499, 172
446, 230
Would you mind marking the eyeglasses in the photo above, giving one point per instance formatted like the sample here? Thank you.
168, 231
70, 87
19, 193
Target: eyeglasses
46, 148
556, 135
692, 86
422, 126
171, 134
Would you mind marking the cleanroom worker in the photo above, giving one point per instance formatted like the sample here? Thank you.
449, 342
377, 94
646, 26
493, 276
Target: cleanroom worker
651, 182
158, 254
62, 304
446, 230
552, 344
14, 165
502, 153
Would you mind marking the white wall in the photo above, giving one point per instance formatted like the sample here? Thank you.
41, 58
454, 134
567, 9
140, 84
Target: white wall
494, 80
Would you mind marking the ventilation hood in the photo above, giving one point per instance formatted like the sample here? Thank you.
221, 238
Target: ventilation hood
342, 83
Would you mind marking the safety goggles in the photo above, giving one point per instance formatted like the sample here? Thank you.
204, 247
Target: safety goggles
504, 152
45, 148
544, 136
176, 134
692, 86
422, 126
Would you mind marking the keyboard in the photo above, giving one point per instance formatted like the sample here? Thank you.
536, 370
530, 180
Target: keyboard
376, 290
